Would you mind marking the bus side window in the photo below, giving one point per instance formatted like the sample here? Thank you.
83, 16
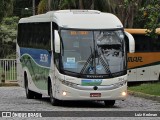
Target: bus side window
156, 44
142, 43
20, 32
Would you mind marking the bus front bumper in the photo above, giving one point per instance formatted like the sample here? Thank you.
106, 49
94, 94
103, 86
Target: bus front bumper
69, 93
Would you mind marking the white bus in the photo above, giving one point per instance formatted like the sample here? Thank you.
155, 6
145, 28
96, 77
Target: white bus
144, 64
73, 55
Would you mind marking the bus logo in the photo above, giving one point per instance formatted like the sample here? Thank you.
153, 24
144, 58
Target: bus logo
134, 59
6, 114
43, 57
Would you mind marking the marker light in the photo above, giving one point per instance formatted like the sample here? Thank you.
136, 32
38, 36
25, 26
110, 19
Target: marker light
64, 93
124, 93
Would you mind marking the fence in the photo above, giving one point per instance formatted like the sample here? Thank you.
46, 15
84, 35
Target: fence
8, 70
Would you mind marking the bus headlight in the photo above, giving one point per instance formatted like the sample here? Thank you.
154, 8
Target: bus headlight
124, 93
64, 93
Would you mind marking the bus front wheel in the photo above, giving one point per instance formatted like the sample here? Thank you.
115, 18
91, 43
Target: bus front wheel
53, 100
109, 103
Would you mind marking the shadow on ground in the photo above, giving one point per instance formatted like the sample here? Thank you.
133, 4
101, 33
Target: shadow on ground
79, 104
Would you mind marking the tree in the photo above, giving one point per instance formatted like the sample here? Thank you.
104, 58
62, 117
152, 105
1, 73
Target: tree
6, 8
151, 16
8, 32
126, 10
55, 4
42, 7
24, 8
67, 4
64, 4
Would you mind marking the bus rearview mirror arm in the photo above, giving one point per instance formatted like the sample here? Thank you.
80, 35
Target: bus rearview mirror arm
56, 41
131, 42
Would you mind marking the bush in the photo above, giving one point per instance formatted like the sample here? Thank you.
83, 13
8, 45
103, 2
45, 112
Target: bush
8, 33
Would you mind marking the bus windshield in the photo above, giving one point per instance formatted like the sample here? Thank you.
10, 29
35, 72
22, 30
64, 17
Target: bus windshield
93, 52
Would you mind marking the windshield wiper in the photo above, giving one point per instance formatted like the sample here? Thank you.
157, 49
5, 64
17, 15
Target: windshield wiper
71, 73
104, 62
87, 62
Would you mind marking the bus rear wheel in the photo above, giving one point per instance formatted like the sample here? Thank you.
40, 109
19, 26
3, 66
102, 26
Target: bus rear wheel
109, 103
29, 93
53, 100
38, 95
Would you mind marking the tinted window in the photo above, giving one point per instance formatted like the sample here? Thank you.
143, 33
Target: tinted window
142, 43
156, 45
34, 35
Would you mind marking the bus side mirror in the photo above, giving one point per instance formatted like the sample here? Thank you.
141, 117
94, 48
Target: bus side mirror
131, 42
56, 41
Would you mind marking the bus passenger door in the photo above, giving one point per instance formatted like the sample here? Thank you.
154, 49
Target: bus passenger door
132, 75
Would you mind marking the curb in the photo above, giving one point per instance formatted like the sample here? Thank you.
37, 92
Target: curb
143, 95
8, 84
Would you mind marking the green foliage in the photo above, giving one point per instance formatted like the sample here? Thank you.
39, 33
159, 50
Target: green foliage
6, 8
8, 33
65, 4
55, 4
70, 4
125, 10
42, 7
22, 8
151, 17
150, 88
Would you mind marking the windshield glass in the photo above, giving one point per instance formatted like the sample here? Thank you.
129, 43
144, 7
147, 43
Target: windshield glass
93, 52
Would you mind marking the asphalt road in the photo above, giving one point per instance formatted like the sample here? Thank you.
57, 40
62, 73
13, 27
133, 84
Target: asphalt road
14, 99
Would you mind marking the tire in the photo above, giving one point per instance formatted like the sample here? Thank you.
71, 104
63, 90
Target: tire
109, 103
53, 100
37, 95
29, 93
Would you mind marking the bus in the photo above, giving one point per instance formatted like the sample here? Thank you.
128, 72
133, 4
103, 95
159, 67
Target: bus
144, 64
73, 55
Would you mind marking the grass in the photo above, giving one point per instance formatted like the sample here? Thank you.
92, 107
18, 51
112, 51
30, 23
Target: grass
147, 88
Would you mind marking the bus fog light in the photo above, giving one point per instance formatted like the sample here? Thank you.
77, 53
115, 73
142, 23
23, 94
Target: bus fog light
64, 93
124, 93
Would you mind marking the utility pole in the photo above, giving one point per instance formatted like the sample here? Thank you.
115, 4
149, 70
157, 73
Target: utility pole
33, 7
49, 5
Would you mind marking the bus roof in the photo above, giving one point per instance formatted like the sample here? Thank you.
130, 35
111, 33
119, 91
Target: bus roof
83, 19
140, 31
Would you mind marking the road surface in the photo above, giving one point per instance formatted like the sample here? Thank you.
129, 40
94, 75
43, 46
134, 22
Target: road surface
14, 99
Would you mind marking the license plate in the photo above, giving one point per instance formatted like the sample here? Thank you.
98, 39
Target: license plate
95, 94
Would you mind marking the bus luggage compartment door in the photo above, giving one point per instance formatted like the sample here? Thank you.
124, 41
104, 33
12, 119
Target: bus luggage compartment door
132, 75
143, 74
